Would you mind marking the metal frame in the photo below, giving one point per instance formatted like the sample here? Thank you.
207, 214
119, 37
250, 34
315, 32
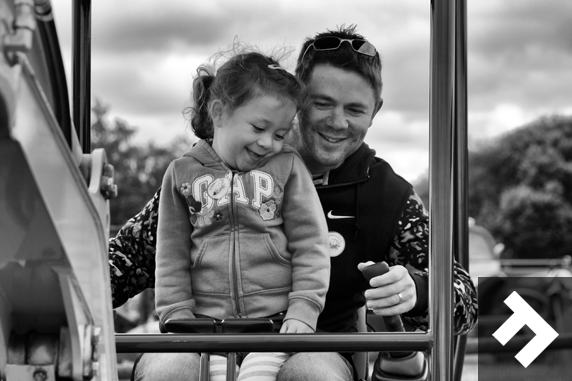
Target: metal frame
81, 71
448, 228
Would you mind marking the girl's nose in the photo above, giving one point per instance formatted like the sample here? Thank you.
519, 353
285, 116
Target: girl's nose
265, 141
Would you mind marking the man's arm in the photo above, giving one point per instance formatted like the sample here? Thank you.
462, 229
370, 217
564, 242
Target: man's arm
132, 254
410, 248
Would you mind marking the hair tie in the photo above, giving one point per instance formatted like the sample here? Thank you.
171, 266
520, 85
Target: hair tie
276, 67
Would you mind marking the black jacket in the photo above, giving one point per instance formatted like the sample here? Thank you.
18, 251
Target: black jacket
363, 201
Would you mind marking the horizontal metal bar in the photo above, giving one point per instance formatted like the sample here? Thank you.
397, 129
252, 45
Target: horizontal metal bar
319, 342
562, 262
491, 345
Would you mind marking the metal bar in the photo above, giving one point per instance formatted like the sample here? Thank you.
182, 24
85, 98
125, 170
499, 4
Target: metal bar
320, 342
231, 366
204, 367
81, 71
440, 186
460, 165
491, 345
55, 67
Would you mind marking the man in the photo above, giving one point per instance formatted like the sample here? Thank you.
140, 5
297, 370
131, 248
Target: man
372, 214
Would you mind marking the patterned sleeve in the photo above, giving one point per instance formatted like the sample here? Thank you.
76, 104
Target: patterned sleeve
410, 248
132, 254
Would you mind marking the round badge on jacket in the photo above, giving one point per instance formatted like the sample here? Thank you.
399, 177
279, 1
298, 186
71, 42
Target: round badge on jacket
337, 243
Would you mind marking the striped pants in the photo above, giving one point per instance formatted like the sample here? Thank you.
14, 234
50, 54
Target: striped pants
255, 366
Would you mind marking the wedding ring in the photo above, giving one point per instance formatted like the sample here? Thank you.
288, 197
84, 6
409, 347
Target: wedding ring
400, 297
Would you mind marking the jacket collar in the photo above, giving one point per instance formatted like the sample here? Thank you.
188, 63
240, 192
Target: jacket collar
355, 168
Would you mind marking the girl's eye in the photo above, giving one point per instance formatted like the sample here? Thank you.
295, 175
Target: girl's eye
257, 129
279, 137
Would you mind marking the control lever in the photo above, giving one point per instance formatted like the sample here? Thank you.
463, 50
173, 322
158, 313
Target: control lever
392, 323
393, 366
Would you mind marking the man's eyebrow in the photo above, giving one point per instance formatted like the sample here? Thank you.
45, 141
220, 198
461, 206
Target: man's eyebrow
331, 99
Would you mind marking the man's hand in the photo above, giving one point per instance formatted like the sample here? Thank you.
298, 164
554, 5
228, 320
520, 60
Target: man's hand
383, 299
295, 326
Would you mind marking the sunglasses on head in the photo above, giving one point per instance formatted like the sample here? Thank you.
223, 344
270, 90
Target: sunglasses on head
332, 43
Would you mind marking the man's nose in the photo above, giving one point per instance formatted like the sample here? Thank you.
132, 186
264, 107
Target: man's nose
338, 119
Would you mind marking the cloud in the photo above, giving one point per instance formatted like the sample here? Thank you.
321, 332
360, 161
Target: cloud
520, 54
144, 54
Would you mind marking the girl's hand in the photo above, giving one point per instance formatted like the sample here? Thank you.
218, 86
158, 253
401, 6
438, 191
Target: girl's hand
383, 298
295, 326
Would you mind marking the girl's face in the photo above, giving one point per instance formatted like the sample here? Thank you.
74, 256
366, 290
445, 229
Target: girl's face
251, 132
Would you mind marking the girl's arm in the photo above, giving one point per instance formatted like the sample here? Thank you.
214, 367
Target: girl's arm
307, 233
173, 293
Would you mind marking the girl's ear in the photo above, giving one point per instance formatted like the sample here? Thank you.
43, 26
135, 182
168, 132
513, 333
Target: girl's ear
216, 111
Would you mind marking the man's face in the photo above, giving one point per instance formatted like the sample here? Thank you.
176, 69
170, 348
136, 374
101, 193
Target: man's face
335, 124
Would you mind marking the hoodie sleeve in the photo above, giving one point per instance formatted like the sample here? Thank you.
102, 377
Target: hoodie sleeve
410, 247
173, 293
132, 254
307, 233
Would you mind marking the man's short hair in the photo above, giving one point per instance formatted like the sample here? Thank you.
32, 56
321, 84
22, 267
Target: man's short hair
343, 57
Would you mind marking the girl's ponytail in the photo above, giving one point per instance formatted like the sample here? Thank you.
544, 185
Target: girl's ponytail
201, 122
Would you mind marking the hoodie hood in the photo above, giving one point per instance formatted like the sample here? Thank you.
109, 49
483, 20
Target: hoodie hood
204, 153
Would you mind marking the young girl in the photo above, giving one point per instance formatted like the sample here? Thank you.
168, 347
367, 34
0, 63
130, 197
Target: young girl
241, 230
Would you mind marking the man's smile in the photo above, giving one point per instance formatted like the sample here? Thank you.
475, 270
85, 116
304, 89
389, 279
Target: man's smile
331, 139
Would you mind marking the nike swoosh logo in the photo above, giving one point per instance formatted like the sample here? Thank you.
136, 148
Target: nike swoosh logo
334, 217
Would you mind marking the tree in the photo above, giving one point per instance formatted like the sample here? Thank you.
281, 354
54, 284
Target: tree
520, 188
139, 168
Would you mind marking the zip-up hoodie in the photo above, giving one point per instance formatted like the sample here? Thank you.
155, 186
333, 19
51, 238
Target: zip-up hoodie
240, 244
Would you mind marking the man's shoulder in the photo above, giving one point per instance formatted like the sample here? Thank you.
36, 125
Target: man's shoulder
381, 169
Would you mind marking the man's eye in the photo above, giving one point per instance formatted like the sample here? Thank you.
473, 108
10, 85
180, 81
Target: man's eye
257, 129
355, 111
321, 104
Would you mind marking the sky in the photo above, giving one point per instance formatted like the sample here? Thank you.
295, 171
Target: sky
145, 52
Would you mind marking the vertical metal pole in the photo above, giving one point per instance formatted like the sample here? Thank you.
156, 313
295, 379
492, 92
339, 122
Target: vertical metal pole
441, 158
461, 166
81, 71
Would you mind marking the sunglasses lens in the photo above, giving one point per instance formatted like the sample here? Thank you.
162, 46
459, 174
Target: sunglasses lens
327, 43
333, 43
363, 47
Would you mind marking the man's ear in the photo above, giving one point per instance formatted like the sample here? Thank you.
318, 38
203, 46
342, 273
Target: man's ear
377, 108
216, 111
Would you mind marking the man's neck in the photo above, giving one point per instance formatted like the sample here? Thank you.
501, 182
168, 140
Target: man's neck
315, 168
295, 140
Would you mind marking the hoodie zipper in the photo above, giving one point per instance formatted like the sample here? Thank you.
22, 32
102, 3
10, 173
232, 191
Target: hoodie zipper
234, 232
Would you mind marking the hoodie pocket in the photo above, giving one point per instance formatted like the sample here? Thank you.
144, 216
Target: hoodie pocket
262, 268
210, 266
